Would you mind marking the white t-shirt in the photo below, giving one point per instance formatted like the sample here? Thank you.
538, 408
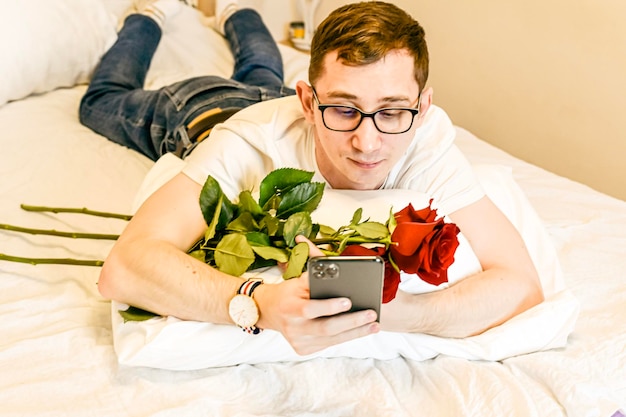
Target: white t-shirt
274, 134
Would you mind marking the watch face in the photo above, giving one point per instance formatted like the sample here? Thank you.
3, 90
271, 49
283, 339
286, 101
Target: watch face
243, 310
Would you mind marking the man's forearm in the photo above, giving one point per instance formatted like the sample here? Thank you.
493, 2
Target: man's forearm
467, 308
160, 278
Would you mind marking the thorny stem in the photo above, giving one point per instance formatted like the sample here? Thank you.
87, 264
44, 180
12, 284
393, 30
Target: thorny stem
76, 210
74, 235
57, 261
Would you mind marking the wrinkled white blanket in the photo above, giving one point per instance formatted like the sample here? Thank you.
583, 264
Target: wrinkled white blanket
176, 344
56, 346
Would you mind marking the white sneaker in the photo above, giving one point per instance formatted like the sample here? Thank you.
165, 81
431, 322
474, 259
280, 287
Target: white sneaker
159, 10
223, 10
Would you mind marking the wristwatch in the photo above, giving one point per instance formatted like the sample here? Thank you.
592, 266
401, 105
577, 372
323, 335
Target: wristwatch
243, 309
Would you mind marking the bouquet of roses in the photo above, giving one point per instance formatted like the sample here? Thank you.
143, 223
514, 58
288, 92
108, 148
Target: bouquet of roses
253, 233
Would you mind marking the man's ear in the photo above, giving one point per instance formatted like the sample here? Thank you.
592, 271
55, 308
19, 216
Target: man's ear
426, 99
305, 94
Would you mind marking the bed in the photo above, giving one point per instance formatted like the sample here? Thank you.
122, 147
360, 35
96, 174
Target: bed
57, 354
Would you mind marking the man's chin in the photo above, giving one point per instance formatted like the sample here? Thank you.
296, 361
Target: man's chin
366, 182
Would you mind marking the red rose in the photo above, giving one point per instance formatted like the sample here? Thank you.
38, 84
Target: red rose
409, 214
423, 245
392, 277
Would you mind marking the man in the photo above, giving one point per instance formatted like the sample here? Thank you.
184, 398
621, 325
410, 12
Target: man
364, 122
176, 117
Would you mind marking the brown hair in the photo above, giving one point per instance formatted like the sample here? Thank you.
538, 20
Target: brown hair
363, 33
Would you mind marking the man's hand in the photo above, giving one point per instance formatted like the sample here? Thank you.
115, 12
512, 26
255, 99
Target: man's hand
310, 325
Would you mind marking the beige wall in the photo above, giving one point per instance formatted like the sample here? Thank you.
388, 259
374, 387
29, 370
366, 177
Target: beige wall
545, 81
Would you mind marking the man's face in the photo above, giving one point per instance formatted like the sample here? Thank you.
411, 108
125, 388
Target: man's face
362, 159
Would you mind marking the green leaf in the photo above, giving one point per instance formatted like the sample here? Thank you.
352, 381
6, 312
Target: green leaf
269, 252
136, 314
391, 221
272, 203
247, 203
233, 255
271, 225
244, 223
297, 259
210, 232
212, 198
280, 181
303, 197
314, 231
199, 254
258, 239
372, 230
297, 224
327, 230
356, 217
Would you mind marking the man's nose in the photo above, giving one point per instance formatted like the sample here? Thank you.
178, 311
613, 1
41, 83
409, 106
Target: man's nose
366, 137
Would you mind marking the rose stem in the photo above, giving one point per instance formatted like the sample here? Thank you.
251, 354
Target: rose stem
58, 261
75, 235
75, 210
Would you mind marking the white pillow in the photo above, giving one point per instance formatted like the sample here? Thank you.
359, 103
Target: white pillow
47, 44
175, 344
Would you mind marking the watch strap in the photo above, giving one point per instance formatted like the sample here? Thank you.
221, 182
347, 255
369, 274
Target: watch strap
247, 288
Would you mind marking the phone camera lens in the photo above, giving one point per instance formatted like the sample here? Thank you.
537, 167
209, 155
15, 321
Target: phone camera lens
332, 270
317, 271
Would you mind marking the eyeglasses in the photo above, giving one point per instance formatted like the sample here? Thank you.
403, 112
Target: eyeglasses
390, 120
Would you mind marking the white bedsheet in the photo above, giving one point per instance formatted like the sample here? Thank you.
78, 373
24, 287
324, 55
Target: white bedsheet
56, 350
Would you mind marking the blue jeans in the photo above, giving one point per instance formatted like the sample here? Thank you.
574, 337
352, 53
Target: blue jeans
154, 122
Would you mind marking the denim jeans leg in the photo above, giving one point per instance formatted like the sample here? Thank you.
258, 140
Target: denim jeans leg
258, 61
115, 104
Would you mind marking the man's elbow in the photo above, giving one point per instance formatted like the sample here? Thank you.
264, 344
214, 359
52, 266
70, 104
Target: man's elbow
527, 297
108, 284
533, 295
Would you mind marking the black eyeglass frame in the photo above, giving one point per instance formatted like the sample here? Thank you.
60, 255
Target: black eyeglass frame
364, 114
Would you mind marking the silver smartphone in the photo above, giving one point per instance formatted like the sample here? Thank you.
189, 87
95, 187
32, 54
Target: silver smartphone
360, 278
